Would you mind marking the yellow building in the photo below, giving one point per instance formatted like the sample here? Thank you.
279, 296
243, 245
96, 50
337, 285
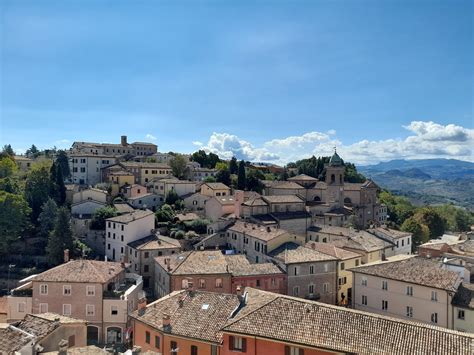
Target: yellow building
119, 178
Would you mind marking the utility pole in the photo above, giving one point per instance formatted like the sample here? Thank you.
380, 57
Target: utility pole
10, 266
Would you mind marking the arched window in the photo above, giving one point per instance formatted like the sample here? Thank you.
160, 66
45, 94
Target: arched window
347, 201
114, 335
333, 178
92, 335
317, 198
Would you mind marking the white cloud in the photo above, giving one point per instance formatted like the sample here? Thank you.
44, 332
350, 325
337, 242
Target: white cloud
63, 141
197, 143
426, 140
150, 137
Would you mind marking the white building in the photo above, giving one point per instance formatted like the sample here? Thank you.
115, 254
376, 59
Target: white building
127, 228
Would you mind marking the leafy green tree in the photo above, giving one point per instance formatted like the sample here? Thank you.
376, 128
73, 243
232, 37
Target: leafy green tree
171, 197
284, 175
241, 179
47, 217
8, 167
223, 175
420, 232
63, 161
14, 211
432, 219
33, 152
165, 213
100, 215
210, 179
60, 238
253, 182
178, 166
233, 166
37, 188
7, 150
462, 220
205, 160
198, 225
10, 185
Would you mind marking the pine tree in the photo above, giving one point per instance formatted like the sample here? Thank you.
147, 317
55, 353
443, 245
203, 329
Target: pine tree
63, 161
233, 166
60, 238
241, 182
47, 217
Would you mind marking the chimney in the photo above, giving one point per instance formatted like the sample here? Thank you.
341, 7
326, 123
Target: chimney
123, 140
166, 322
313, 245
141, 306
384, 257
240, 294
66, 255
181, 302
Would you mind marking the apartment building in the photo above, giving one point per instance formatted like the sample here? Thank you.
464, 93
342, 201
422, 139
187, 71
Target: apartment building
310, 274
125, 229
109, 149
401, 241
215, 189
221, 206
200, 174
86, 168
86, 202
407, 287
164, 186
345, 261
102, 293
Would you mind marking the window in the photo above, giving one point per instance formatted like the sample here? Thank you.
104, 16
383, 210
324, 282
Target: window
326, 287
174, 346
218, 283
384, 285
409, 290
311, 289
21, 307
296, 271
43, 289
202, 283
146, 268
342, 266
311, 269
184, 284
67, 290
461, 314
43, 308
403, 242
434, 296
90, 310
364, 281
257, 283
114, 310
409, 312
296, 291
147, 337
146, 255
326, 267
194, 350
384, 305
237, 343
357, 262
157, 341
121, 238
291, 350
434, 318
66, 309
364, 300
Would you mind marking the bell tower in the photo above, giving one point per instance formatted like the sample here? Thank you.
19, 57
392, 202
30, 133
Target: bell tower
335, 181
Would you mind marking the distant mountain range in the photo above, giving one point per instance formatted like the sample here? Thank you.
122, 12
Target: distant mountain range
430, 181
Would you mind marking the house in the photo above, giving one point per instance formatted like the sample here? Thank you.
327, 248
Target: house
141, 254
119, 178
311, 274
267, 324
215, 189
187, 321
407, 287
127, 228
463, 304
402, 241
219, 206
240, 197
345, 260
195, 202
86, 168
212, 271
102, 293
40, 333
434, 249
256, 240
147, 200
23, 163
164, 186
143, 172
86, 202
200, 174
283, 188
109, 149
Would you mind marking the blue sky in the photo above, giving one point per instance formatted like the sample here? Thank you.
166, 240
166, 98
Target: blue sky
264, 80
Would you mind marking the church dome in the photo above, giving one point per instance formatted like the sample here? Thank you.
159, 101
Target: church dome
335, 160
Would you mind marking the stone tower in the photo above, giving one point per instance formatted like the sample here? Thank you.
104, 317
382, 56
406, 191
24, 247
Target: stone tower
335, 181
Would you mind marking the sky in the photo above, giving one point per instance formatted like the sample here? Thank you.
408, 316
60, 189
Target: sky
271, 81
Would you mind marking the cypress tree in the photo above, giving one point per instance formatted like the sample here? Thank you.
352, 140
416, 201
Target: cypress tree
60, 238
241, 182
60, 188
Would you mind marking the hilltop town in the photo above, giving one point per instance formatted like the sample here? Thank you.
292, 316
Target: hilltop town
109, 247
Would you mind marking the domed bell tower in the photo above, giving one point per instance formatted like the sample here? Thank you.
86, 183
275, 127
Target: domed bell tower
335, 181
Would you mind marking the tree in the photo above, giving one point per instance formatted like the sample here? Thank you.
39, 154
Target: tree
241, 181
462, 221
8, 167
205, 160
420, 232
210, 179
63, 162
7, 150
171, 197
223, 175
165, 214
33, 152
233, 166
253, 182
100, 215
60, 188
178, 166
37, 189
60, 238
14, 211
432, 219
47, 217
284, 175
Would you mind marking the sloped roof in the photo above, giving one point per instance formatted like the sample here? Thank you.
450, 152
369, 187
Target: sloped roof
282, 199
464, 296
302, 177
130, 217
216, 186
291, 253
332, 250
154, 242
253, 230
12, 340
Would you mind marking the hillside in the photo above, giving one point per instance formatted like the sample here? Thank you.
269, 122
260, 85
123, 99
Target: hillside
431, 181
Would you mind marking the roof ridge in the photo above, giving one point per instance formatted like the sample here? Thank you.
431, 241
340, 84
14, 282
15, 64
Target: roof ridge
253, 311
182, 261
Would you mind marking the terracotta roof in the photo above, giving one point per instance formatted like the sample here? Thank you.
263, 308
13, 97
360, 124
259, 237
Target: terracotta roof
40, 325
123, 207
120, 173
195, 262
225, 200
86, 271
313, 324
464, 296
154, 242
189, 216
283, 199
258, 201
12, 340
143, 165
255, 231
130, 217
416, 270
216, 186
302, 177
200, 316
291, 253
240, 266
286, 185
332, 250
174, 181
388, 233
